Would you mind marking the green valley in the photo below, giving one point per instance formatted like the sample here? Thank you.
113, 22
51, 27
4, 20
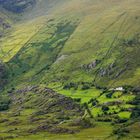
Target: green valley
69, 69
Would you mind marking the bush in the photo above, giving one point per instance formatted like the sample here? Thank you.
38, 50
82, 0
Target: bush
85, 87
105, 108
121, 132
93, 102
71, 85
119, 120
77, 99
127, 89
87, 123
136, 112
109, 95
4, 103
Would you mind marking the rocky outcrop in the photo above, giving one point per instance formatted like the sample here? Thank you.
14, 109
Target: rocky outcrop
51, 109
44, 95
107, 71
91, 65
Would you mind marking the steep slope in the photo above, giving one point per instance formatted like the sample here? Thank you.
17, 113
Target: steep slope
105, 37
39, 109
10, 12
109, 53
83, 49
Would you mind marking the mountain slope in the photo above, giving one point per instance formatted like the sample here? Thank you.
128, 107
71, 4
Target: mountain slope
17, 6
87, 50
46, 111
108, 54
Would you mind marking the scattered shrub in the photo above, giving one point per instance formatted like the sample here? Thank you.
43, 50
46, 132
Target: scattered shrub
127, 88
93, 102
136, 112
4, 103
121, 131
105, 108
86, 86
77, 99
109, 95
71, 85
117, 119
86, 123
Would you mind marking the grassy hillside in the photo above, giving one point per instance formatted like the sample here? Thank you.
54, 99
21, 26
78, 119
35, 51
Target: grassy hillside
107, 54
5, 23
82, 49
38, 109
